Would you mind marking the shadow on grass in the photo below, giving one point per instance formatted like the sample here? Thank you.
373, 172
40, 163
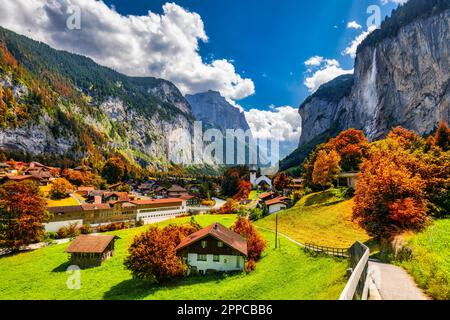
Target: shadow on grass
135, 289
62, 267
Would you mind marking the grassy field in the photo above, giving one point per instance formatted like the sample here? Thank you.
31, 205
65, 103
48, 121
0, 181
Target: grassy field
285, 273
430, 263
322, 218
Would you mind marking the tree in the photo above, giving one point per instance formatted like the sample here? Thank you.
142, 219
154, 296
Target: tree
351, 145
390, 197
230, 182
22, 214
60, 188
255, 243
442, 137
326, 168
230, 207
152, 255
281, 181
244, 190
113, 170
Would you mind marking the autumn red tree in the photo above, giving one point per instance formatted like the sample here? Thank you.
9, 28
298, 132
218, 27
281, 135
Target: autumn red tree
255, 242
113, 170
326, 168
352, 146
281, 181
231, 206
152, 255
390, 197
60, 188
244, 190
22, 214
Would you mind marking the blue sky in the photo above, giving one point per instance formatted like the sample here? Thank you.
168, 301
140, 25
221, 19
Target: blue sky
269, 41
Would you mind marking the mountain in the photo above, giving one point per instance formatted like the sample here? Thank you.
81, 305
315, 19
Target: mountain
62, 106
216, 112
401, 78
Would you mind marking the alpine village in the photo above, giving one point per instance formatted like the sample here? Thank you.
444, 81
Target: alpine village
91, 208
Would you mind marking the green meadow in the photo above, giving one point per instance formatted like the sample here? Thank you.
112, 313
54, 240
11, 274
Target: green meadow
284, 273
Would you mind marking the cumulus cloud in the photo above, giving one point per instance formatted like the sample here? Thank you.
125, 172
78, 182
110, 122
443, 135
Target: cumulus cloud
285, 119
162, 45
325, 71
351, 49
353, 25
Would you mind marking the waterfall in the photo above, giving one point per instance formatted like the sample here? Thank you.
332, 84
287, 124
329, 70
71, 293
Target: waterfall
371, 94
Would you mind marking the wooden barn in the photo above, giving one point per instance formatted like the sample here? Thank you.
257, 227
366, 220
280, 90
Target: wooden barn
90, 251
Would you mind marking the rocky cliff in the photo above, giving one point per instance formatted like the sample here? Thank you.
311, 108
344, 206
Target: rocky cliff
216, 112
66, 106
401, 78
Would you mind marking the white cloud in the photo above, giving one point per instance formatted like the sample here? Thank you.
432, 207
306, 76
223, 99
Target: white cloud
285, 119
353, 25
314, 61
394, 1
326, 71
351, 49
234, 104
162, 45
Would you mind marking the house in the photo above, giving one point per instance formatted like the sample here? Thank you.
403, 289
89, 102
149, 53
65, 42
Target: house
347, 179
296, 185
176, 191
64, 216
277, 204
214, 249
103, 196
13, 177
145, 188
90, 251
267, 196
191, 200
84, 191
160, 192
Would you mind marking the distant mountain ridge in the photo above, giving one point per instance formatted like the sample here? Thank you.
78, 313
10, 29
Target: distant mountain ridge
216, 112
401, 78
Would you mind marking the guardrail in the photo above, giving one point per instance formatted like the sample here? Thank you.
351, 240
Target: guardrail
357, 287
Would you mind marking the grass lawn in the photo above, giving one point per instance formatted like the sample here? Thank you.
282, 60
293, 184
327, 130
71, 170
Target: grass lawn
286, 273
322, 218
430, 263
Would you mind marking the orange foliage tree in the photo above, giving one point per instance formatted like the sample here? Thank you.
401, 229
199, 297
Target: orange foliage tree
244, 190
113, 170
352, 146
281, 181
152, 255
255, 242
230, 207
390, 196
442, 137
22, 214
60, 188
326, 168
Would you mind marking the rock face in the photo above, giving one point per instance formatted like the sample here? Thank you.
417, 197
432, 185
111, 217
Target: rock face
402, 80
94, 112
216, 112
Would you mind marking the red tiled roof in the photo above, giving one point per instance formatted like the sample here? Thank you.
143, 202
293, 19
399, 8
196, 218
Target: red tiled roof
90, 244
276, 200
157, 201
219, 232
93, 206
65, 209
187, 197
266, 195
176, 188
20, 178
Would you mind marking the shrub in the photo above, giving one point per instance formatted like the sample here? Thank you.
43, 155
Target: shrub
112, 227
70, 231
60, 189
86, 229
250, 266
255, 243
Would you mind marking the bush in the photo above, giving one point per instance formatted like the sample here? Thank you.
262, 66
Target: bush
112, 227
250, 266
255, 214
60, 189
51, 235
70, 231
86, 229
255, 243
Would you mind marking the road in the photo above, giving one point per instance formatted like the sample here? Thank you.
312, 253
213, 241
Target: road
394, 283
219, 203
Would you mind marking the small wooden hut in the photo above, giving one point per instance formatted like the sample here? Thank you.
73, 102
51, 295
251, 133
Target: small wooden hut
90, 251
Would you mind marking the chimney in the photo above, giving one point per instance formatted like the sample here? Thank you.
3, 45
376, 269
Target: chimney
97, 200
216, 226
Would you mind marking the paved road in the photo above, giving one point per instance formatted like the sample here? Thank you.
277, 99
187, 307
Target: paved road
394, 283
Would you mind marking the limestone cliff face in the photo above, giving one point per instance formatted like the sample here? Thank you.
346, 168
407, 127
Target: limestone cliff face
401, 80
216, 112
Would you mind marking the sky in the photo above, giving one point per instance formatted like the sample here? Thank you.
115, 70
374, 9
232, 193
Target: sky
264, 56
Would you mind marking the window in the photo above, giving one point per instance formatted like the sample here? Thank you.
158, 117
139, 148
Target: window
204, 244
219, 244
201, 257
216, 258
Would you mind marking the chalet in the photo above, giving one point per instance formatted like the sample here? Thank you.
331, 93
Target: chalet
13, 177
176, 191
64, 216
190, 200
145, 188
160, 192
214, 249
268, 196
296, 185
348, 179
84, 191
90, 251
103, 196
277, 204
